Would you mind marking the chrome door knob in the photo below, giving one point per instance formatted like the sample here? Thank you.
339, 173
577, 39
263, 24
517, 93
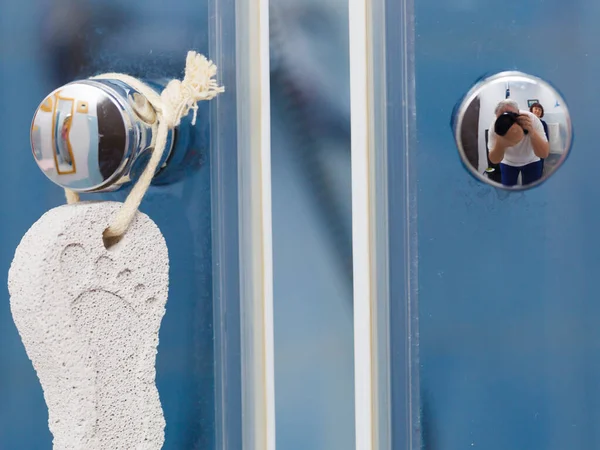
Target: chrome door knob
94, 135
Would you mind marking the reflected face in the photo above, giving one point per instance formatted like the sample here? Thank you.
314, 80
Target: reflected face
537, 111
506, 109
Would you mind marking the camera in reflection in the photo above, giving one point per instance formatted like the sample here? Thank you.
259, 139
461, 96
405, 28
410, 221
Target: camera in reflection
505, 122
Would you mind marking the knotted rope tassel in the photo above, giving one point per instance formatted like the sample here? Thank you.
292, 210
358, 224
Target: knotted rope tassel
174, 103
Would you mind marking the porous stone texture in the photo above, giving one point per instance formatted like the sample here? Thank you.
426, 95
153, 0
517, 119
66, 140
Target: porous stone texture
89, 319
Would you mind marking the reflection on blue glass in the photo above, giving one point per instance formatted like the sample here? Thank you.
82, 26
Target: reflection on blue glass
314, 379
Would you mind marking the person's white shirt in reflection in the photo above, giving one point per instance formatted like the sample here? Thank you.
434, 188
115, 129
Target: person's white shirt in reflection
521, 154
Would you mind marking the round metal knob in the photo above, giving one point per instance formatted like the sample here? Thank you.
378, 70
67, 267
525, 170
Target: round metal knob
94, 135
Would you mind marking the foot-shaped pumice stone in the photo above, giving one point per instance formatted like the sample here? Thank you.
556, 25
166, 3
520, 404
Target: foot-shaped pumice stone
89, 318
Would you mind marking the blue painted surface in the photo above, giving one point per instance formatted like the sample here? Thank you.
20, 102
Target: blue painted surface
508, 298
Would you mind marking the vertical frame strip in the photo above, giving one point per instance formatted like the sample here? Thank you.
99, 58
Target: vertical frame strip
360, 102
254, 153
239, 45
384, 214
226, 229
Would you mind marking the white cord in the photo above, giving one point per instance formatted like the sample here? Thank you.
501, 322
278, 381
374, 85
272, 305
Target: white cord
174, 103
72, 196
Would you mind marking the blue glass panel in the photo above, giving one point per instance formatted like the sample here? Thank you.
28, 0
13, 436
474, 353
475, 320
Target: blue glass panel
45, 44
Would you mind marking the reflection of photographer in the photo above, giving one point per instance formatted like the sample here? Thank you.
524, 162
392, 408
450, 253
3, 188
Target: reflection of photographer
518, 142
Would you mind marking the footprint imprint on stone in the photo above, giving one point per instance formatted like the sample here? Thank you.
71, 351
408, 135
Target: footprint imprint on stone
106, 315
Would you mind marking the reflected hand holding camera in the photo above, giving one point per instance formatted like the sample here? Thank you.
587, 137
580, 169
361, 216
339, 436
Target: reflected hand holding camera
508, 130
518, 143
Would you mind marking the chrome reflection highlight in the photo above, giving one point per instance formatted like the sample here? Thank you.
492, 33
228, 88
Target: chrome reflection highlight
88, 135
513, 130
